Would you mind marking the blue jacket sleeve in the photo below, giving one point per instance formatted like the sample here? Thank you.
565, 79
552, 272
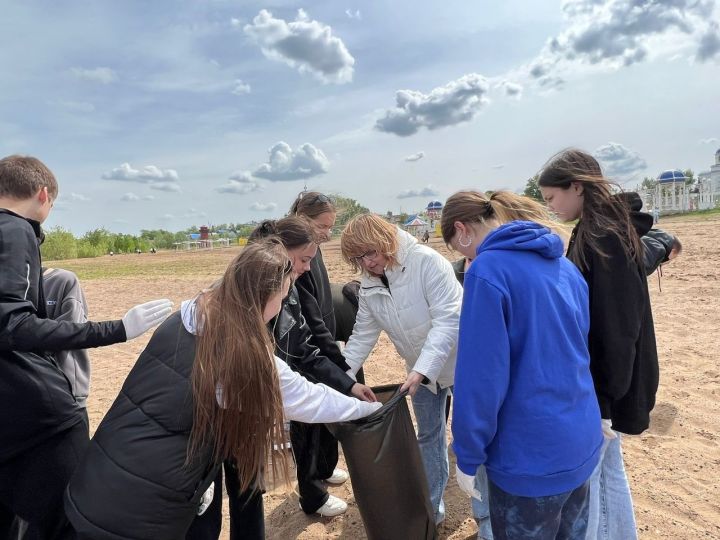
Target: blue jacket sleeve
482, 373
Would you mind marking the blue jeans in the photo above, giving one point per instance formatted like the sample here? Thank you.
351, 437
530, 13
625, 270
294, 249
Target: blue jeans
555, 517
430, 416
481, 509
611, 507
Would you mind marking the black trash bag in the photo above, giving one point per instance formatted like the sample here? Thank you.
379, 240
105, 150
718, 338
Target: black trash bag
386, 470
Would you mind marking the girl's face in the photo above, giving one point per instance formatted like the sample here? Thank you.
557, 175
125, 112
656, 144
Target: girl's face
565, 203
323, 225
301, 257
272, 308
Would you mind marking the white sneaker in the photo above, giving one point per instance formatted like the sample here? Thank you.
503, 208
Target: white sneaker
338, 477
333, 507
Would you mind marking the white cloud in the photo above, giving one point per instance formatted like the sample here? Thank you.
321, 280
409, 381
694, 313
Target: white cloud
168, 187
149, 174
285, 163
304, 44
167, 217
618, 161
240, 88
78, 197
263, 207
102, 75
709, 140
239, 188
353, 14
498, 166
616, 33
129, 197
427, 191
236, 22
512, 89
415, 157
148, 197
458, 101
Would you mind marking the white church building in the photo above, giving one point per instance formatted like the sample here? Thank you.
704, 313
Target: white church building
672, 194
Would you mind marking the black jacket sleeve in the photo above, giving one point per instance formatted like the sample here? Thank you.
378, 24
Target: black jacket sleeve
657, 245
617, 304
322, 338
20, 327
309, 360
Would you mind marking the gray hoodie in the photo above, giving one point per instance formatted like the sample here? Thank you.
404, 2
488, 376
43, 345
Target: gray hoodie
66, 302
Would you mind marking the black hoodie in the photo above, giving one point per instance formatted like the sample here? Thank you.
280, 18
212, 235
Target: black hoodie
623, 354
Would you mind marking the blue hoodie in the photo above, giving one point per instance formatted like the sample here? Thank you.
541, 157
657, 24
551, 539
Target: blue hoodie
524, 402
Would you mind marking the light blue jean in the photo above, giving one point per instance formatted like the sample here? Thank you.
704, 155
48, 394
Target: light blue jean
481, 509
430, 416
611, 508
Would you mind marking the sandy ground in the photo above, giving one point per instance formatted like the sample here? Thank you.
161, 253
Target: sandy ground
674, 468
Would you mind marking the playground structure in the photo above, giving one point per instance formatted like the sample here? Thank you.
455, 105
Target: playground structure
202, 240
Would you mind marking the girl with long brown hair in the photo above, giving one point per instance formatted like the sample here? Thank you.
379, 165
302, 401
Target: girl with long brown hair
525, 419
206, 388
606, 247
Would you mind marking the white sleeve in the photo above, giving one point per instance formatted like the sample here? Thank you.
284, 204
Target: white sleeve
311, 403
443, 294
364, 336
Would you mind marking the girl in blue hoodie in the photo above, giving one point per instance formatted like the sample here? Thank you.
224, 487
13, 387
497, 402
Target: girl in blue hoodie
524, 400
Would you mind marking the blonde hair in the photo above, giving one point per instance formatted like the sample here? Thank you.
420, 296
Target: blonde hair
367, 232
503, 206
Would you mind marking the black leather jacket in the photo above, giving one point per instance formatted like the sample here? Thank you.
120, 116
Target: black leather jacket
293, 345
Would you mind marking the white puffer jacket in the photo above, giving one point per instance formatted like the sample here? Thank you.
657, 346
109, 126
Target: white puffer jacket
420, 312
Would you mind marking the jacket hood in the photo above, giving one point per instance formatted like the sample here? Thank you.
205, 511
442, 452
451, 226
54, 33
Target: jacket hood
406, 243
524, 236
642, 221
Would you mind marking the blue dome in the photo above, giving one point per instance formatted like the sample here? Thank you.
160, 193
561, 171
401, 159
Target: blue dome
434, 205
671, 176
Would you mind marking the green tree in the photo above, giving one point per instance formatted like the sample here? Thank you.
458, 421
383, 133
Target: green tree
59, 244
532, 189
689, 177
648, 183
347, 209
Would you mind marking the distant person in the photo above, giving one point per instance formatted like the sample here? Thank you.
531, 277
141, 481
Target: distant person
426, 237
43, 428
656, 214
606, 246
206, 389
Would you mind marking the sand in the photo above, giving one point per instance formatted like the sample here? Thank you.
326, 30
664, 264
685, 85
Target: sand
674, 468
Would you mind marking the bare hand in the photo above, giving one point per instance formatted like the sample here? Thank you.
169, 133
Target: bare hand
363, 392
412, 382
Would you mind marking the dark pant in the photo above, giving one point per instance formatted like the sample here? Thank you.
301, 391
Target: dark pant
32, 484
247, 518
316, 455
555, 517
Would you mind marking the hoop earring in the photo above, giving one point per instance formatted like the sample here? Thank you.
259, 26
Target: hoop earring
461, 244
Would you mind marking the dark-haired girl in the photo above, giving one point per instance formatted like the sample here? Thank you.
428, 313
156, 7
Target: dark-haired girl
605, 245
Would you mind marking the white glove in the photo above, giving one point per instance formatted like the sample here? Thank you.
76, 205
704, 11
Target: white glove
607, 430
467, 484
206, 499
143, 317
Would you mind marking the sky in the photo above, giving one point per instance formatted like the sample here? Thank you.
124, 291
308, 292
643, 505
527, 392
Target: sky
167, 114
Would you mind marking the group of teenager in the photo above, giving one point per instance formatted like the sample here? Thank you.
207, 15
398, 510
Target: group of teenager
549, 357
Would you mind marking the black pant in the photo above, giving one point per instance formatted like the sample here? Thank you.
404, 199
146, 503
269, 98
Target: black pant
316, 456
247, 517
32, 484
